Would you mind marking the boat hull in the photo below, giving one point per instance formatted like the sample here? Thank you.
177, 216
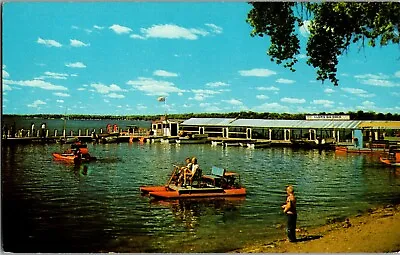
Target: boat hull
340, 149
191, 141
389, 162
64, 157
162, 192
71, 158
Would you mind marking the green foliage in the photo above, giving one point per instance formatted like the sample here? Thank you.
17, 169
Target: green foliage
334, 26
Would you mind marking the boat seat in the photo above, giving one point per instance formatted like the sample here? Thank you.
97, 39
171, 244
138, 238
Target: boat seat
216, 175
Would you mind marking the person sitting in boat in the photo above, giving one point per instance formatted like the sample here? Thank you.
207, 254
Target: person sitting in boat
185, 170
195, 171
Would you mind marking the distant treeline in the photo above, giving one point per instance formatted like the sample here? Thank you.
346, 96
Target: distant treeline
359, 115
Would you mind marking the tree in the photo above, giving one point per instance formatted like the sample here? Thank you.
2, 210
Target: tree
333, 27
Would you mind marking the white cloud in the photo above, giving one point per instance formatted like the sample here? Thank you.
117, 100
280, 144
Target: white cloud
6, 87
81, 89
286, 81
77, 43
136, 36
209, 107
262, 97
301, 56
271, 107
368, 104
5, 73
216, 84
76, 65
379, 83
37, 84
104, 89
141, 107
329, 91
171, 31
120, 29
60, 101
271, 88
59, 94
36, 104
320, 101
325, 103
358, 92
397, 74
305, 28
115, 95
49, 43
379, 80
201, 94
154, 87
98, 27
379, 76
233, 101
291, 100
215, 29
257, 72
164, 73
51, 75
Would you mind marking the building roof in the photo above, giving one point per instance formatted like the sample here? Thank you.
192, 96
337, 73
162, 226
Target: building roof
269, 123
208, 122
380, 124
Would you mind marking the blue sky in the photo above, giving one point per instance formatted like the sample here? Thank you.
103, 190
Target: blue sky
118, 57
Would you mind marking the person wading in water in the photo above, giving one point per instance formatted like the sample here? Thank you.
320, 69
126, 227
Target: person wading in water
290, 210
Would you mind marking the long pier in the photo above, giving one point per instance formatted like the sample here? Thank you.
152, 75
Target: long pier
42, 136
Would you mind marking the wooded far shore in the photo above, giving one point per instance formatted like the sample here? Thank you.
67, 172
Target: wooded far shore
359, 115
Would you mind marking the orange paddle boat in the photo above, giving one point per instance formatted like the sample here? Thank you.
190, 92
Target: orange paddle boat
219, 183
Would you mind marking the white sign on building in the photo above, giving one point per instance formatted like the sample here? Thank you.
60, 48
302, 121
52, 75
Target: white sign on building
328, 117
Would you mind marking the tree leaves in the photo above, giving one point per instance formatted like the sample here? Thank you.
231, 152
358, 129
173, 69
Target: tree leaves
333, 28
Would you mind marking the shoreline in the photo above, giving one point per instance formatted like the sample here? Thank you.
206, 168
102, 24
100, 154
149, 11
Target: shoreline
375, 231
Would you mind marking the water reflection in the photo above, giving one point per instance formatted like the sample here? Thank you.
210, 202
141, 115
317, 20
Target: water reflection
188, 212
81, 170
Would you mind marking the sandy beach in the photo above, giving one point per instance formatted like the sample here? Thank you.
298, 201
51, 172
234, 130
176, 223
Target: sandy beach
378, 230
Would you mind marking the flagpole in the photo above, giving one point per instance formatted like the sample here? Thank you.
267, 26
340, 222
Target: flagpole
165, 106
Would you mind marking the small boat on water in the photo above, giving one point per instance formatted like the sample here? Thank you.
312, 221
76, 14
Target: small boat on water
78, 153
216, 143
259, 144
219, 183
231, 144
344, 149
193, 139
392, 158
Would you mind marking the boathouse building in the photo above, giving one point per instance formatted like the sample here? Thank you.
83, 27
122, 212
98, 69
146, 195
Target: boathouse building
336, 129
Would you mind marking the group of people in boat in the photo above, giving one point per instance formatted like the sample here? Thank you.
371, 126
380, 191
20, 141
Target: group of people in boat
188, 173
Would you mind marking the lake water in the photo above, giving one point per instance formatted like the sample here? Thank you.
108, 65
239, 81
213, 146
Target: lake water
49, 206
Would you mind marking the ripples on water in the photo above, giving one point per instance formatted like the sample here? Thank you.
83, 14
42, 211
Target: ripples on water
51, 206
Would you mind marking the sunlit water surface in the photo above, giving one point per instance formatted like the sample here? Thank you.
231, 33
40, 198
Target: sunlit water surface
49, 206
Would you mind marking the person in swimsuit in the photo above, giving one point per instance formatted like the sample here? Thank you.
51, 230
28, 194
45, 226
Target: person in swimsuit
289, 208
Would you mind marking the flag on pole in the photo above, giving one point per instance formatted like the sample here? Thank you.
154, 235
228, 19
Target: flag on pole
161, 99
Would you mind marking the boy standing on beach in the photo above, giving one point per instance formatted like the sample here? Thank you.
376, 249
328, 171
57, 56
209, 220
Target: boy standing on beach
290, 210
